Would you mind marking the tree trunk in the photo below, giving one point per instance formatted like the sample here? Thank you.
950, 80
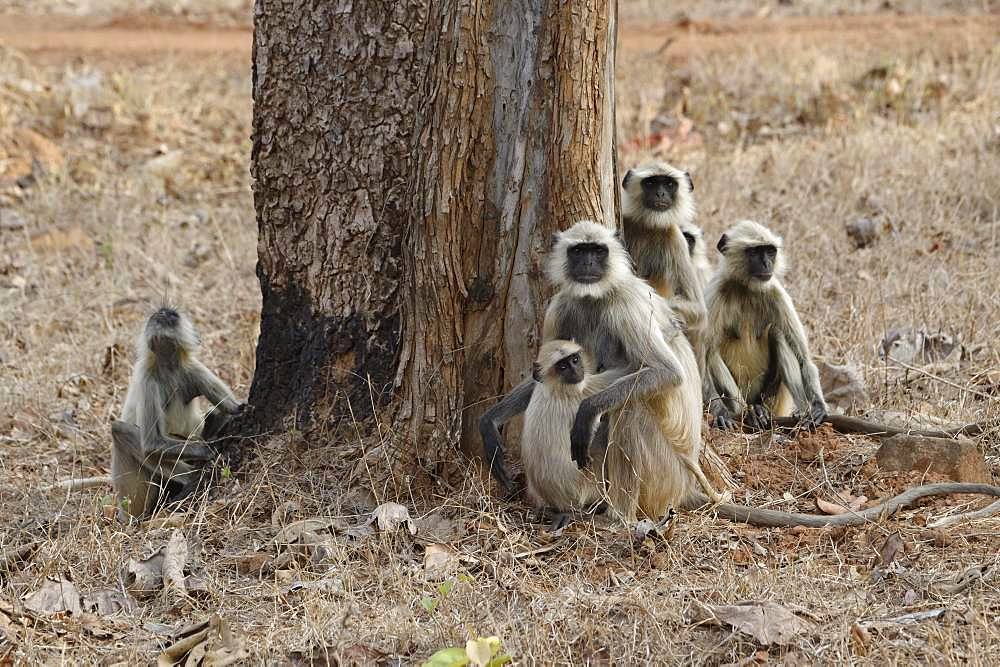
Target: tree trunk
410, 162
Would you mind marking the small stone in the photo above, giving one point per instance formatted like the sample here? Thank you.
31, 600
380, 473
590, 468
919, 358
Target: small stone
958, 460
863, 232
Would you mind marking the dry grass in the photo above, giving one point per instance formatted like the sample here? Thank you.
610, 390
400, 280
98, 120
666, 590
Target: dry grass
804, 142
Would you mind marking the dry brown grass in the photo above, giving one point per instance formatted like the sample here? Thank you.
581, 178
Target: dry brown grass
816, 137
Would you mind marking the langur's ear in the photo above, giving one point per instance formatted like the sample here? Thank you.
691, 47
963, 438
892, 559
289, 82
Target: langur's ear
721, 245
628, 175
690, 181
536, 371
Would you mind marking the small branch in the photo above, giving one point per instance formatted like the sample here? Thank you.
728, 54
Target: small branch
79, 483
938, 378
856, 425
988, 511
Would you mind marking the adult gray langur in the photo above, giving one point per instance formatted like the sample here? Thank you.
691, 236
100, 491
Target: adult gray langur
654, 409
155, 453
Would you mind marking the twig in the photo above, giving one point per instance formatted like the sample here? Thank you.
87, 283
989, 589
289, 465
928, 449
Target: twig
942, 380
845, 424
79, 483
988, 511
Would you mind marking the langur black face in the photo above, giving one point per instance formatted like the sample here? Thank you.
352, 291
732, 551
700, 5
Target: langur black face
570, 369
161, 331
689, 237
659, 192
587, 262
760, 261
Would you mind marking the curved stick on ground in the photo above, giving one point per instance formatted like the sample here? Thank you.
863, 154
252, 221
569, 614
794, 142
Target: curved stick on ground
776, 519
856, 425
986, 512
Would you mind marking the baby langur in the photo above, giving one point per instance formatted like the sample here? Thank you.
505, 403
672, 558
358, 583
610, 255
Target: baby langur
757, 352
565, 376
152, 456
695, 239
657, 205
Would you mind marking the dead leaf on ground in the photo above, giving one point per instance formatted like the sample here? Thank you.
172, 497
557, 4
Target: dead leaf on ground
107, 601
905, 619
963, 580
891, 549
256, 564
767, 622
208, 643
292, 533
144, 578
390, 516
55, 597
440, 560
175, 556
844, 503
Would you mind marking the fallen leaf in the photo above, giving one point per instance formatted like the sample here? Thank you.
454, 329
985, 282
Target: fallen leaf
440, 560
905, 619
292, 533
891, 549
107, 601
448, 657
910, 597
861, 639
207, 643
144, 578
962, 581
257, 563
55, 597
767, 622
175, 557
389, 516
845, 503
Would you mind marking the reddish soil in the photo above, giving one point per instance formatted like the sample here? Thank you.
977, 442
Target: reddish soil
134, 36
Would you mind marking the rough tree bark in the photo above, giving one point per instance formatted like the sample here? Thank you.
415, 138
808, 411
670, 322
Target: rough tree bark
410, 162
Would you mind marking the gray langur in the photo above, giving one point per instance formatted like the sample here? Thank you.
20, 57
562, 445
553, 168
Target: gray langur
654, 410
153, 457
657, 202
695, 239
757, 353
565, 377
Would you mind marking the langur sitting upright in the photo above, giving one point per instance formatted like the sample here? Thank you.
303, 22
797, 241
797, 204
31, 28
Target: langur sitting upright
657, 206
757, 352
152, 455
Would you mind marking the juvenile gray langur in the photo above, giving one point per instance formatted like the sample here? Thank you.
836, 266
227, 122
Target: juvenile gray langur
695, 239
153, 458
657, 202
654, 410
757, 353
565, 377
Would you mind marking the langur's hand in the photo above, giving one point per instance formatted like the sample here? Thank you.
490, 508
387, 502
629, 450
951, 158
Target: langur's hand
815, 416
757, 417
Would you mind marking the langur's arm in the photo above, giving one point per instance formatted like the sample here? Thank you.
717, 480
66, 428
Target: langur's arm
206, 383
689, 298
639, 384
152, 428
802, 379
513, 404
725, 399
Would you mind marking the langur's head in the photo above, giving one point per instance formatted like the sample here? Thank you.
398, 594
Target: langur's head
695, 241
658, 195
751, 254
561, 362
588, 260
168, 333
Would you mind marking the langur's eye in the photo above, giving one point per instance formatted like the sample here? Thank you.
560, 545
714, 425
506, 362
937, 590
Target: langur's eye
575, 359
